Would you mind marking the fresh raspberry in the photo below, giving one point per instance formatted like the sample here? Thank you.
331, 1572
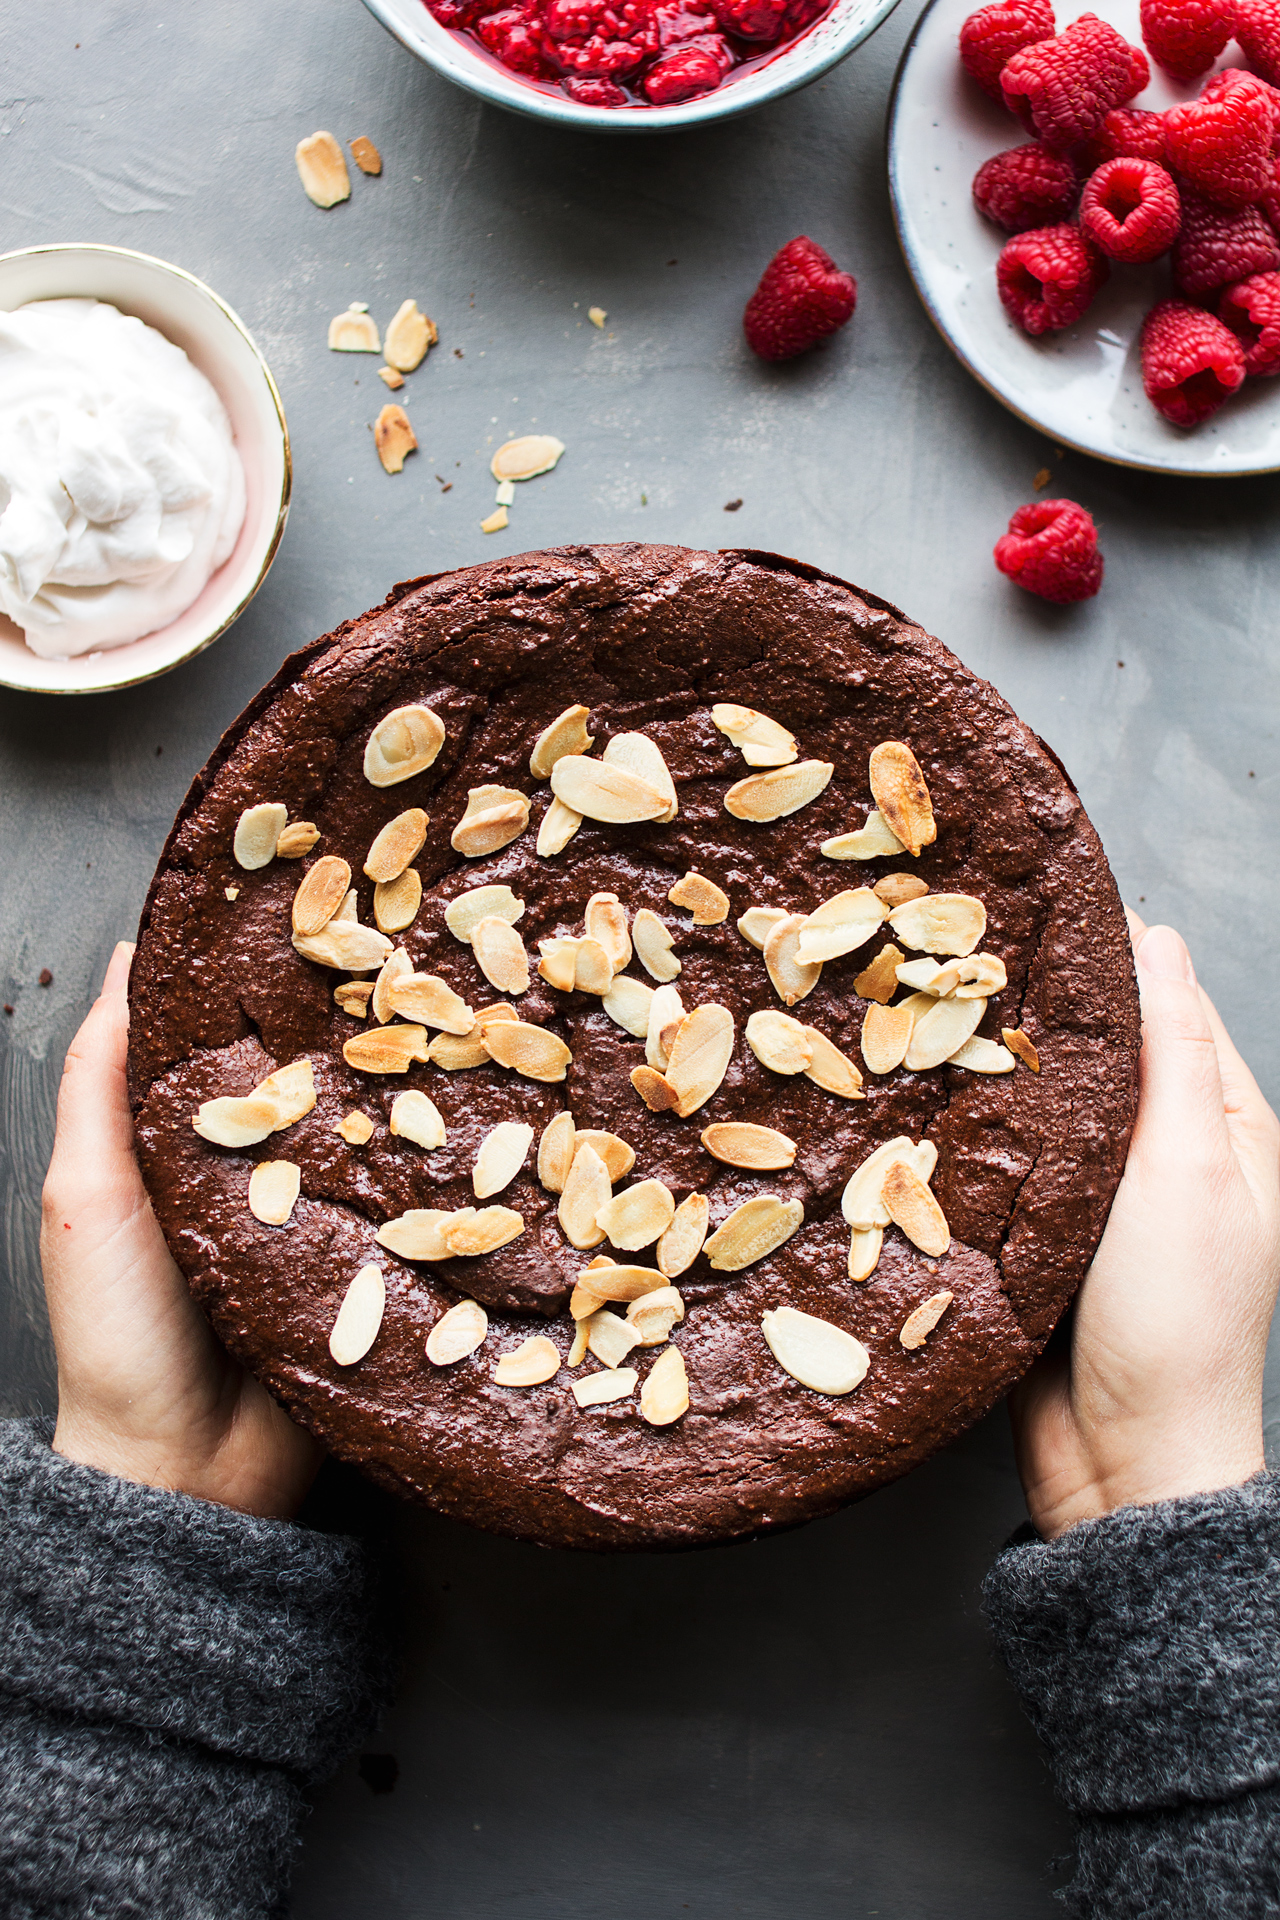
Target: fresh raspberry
1221, 142
755, 20
1063, 89
1252, 311
1048, 277
1257, 28
802, 297
595, 93
1051, 549
1130, 208
458, 14
512, 38
1026, 187
1127, 133
1191, 363
1216, 247
1185, 37
1270, 201
994, 34
697, 66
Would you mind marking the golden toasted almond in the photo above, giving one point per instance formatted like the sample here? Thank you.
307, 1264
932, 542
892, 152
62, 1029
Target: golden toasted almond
940, 1031
426, 998
291, 1090
322, 169
628, 1002
779, 1042
321, 892
355, 331
404, 742
940, 923
578, 1351
356, 1129
502, 1154
396, 902
556, 1150
609, 1337
457, 1333
708, 903
566, 734
353, 997
873, 841
464, 913
840, 925
763, 742
932, 977
879, 981
897, 888
609, 1281
983, 1056
365, 154
497, 520
918, 1325
559, 962
359, 1317
830, 1069
394, 437
1021, 1043
683, 1240
605, 921
861, 1203
666, 1012
559, 824
416, 1235
654, 1314
653, 944
638, 1216
390, 378
886, 1035
495, 816
416, 1117
349, 910
757, 923
757, 1228
611, 1383
864, 1252
298, 838
618, 1157
530, 1364
603, 791
592, 968
664, 1397
641, 756
981, 975
398, 845
657, 1092
900, 793
456, 1052
740, 1143
700, 1056
792, 979
273, 1189
523, 459
814, 1352
783, 790
528, 1050
586, 1189
386, 1049
408, 337
396, 966
232, 1122
499, 950
473, 1231
912, 1207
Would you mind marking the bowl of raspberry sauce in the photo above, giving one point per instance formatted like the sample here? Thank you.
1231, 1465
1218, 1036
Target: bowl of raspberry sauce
631, 66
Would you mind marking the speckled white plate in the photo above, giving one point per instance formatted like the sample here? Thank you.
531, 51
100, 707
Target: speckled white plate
1082, 387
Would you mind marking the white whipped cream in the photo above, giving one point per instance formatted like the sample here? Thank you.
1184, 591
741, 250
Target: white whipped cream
121, 490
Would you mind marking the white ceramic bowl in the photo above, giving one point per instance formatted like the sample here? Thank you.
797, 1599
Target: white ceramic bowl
217, 342
814, 53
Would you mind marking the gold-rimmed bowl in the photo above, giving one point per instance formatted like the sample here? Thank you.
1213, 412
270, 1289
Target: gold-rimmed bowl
215, 340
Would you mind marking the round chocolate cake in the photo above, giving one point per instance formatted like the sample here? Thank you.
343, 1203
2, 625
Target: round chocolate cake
634, 1047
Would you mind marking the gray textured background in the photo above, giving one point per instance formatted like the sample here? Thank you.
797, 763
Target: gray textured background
811, 1726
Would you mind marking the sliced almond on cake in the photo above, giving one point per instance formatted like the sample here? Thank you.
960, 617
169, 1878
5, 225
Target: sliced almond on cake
814, 1352
406, 741
919, 1324
531, 1364
414, 1116
398, 845
359, 1317
779, 1042
762, 742
940, 923
322, 891
781, 791
708, 903
653, 944
757, 1228
586, 1190
902, 796
502, 1154
605, 922
912, 1207
555, 1151
396, 902
607, 792
638, 1216
740, 1143
527, 1049
664, 1397
683, 1240
274, 1186
840, 925
428, 999
792, 978
457, 1333
495, 816
874, 840
257, 835
567, 733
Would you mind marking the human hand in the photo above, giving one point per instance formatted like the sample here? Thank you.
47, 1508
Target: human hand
1161, 1392
144, 1389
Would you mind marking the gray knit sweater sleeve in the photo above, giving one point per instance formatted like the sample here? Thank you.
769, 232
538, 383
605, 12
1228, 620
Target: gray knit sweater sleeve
173, 1676
1146, 1648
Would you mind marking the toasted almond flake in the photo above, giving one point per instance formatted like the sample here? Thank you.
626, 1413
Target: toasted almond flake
830, 1069
398, 845
757, 923
603, 790
359, 1317
940, 923
763, 742
464, 913
664, 1397
900, 793
814, 1352
981, 975
556, 1150
792, 979
232, 893
233, 1122
604, 1279
740, 1143
654, 1314
472, 1231
404, 742
708, 903
666, 1012
529, 1365
298, 838
353, 997
653, 944
456, 1052
897, 888
886, 1035
349, 910
611, 1383
321, 892
428, 999
840, 925
567, 733
397, 966
779, 1042
640, 755
386, 1049
864, 1252
757, 1228
495, 521
912, 1207
657, 1092
500, 953
559, 824
322, 169
394, 437
506, 493
257, 835
416, 1235
416, 1117
500, 1158
494, 817
273, 1188
457, 1333
618, 1157
940, 1031
683, 1240
291, 1089
597, 316
700, 1056
627, 1002
356, 1129
559, 963
638, 1216
1021, 1043
578, 1351
983, 1056
609, 1337
354, 331
396, 902
879, 981
874, 840
390, 378
783, 790
587, 1188
408, 337
918, 1325
522, 459
592, 968
932, 977
529, 1050
605, 921
365, 154
861, 1203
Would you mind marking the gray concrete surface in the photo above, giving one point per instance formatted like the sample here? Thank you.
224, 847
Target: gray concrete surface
810, 1727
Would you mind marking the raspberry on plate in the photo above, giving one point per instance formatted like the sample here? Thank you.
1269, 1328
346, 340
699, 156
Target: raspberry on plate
1048, 277
1222, 141
1257, 28
1252, 311
1191, 362
1185, 37
1131, 133
1217, 247
1063, 89
1051, 549
1026, 187
994, 34
802, 297
1130, 208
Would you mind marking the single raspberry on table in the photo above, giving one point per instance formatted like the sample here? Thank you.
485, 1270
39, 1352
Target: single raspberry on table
1185, 37
1191, 363
994, 34
1063, 89
1252, 311
755, 20
1221, 142
1131, 209
693, 67
1051, 549
1047, 277
1217, 246
1257, 28
1026, 187
1128, 133
802, 297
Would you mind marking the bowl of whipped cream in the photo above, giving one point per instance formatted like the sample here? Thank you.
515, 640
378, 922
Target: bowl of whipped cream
144, 467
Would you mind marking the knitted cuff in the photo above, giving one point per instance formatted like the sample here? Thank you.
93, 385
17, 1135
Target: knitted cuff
1146, 1648
127, 1603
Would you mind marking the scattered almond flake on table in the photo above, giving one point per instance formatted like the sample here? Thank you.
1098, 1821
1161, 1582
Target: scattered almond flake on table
354, 331
394, 438
814, 1352
359, 1317
919, 1324
506, 494
322, 169
390, 377
525, 458
597, 316
495, 522
409, 337
365, 154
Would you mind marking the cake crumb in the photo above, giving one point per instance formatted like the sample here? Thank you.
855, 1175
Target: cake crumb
731, 506
1042, 479
597, 316
46, 978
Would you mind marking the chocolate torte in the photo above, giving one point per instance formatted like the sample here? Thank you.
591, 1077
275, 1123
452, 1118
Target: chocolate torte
604, 1259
